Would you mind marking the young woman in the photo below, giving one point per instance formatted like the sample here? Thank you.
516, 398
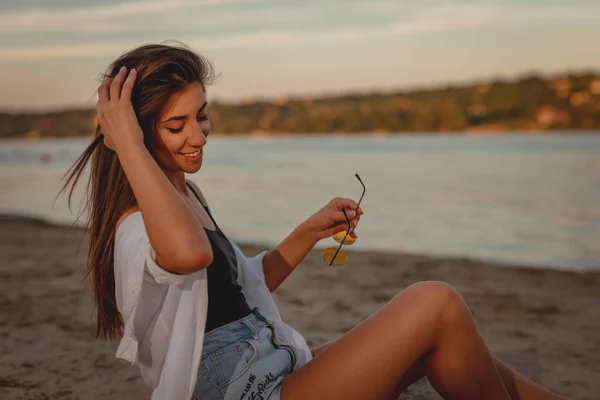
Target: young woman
195, 314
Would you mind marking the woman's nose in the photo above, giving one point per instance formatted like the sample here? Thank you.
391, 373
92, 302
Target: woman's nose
198, 136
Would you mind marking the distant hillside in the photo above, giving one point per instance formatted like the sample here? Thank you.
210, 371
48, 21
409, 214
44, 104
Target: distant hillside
570, 102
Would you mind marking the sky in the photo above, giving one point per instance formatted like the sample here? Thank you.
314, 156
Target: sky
52, 52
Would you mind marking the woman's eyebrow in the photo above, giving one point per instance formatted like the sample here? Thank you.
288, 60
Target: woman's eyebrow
183, 117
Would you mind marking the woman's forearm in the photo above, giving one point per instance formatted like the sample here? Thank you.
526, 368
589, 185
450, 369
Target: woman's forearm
175, 233
279, 262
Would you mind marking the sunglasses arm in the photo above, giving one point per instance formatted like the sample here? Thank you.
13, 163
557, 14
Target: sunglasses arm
343, 240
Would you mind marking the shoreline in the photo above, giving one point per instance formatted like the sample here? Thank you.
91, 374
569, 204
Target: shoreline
542, 322
20, 217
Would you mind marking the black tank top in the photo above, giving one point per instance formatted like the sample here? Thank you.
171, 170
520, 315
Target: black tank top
226, 301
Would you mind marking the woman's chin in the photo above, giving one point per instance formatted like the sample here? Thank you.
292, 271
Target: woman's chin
191, 169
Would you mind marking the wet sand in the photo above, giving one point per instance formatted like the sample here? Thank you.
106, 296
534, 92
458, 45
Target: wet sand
545, 323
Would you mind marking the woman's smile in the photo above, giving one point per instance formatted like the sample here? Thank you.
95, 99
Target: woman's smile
193, 156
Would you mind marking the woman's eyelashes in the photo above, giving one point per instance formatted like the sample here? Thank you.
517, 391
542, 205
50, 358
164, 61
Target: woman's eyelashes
199, 118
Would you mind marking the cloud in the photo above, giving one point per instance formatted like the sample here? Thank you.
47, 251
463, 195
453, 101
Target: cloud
404, 19
452, 17
45, 19
78, 18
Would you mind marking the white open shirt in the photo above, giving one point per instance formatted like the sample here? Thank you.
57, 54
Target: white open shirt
165, 314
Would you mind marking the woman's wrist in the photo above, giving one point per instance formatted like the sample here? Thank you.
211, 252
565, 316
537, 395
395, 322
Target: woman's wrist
305, 233
124, 148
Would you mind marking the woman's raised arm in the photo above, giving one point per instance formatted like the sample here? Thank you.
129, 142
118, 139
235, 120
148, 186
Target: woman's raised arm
175, 233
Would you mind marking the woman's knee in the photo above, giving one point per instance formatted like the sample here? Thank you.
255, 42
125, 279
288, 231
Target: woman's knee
441, 299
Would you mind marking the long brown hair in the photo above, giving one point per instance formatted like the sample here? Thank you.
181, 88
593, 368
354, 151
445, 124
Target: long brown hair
162, 70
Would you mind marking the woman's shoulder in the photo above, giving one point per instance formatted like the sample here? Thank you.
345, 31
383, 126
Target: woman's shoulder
197, 190
133, 214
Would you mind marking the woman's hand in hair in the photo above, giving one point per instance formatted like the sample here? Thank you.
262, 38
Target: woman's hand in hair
117, 120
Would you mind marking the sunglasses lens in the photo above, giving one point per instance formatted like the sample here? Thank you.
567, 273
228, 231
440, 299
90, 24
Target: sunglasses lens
338, 237
328, 253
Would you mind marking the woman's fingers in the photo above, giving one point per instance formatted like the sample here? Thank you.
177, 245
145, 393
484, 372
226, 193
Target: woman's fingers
128, 85
115, 114
115, 86
343, 225
103, 95
341, 202
338, 229
338, 216
348, 204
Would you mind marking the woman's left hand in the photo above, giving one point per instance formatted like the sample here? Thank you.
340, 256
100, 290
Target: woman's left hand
330, 219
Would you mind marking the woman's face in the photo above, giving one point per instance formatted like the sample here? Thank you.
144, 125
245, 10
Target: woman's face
182, 131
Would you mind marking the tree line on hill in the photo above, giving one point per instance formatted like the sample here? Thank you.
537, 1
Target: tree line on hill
568, 102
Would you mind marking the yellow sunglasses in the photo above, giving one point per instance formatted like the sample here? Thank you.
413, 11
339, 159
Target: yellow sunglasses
335, 255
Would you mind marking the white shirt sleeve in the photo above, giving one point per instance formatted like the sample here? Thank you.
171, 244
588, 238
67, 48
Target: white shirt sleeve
136, 242
140, 286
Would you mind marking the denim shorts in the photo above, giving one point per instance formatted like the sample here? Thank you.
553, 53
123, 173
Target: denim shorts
243, 360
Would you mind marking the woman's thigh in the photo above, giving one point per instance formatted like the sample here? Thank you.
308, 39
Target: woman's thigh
416, 372
379, 356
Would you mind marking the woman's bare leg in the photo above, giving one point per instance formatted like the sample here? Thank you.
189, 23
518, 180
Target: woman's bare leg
518, 386
427, 322
521, 388
415, 372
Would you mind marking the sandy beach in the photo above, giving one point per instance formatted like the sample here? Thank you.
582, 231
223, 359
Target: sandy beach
545, 323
